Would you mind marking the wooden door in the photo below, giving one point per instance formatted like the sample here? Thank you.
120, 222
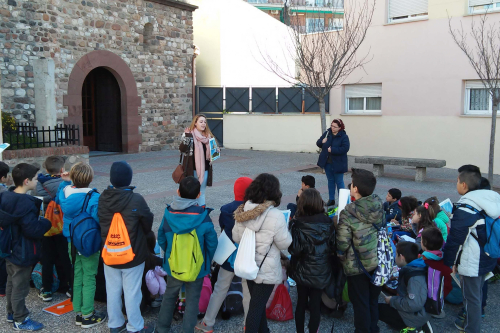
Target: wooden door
102, 111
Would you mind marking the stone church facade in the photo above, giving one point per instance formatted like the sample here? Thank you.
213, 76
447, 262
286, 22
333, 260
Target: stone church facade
119, 69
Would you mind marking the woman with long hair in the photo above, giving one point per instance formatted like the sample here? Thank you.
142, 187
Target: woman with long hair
334, 144
196, 147
260, 214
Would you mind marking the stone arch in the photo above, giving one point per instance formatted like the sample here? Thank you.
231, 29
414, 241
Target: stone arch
130, 101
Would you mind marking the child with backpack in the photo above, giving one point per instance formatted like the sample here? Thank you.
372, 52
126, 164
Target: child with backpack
313, 243
357, 240
438, 216
125, 220
188, 237
21, 231
77, 199
4, 172
54, 244
226, 271
432, 243
467, 239
407, 310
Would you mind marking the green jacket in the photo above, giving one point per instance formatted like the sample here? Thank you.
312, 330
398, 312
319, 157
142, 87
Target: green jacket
355, 223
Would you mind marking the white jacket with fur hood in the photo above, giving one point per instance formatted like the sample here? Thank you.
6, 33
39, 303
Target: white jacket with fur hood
271, 234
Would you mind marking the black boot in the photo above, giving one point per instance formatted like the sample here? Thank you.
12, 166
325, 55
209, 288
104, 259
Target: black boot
330, 203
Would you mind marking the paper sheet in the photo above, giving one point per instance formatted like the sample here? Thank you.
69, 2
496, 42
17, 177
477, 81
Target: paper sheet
344, 199
406, 238
60, 309
214, 150
287, 213
224, 249
446, 205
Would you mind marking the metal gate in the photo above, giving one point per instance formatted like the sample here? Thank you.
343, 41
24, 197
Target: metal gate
210, 102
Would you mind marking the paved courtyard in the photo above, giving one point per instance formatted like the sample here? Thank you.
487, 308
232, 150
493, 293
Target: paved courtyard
152, 177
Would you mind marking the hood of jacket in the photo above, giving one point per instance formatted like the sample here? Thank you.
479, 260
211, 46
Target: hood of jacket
417, 263
48, 178
367, 210
253, 215
118, 198
184, 215
314, 227
486, 200
71, 200
14, 206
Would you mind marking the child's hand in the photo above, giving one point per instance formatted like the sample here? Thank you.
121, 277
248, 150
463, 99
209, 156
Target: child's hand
65, 177
324, 140
455, 269
388, 300
395, 221
299, 193
329, 149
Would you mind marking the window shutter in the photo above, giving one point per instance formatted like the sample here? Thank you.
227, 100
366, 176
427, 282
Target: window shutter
473, 3
363, 90
399, 8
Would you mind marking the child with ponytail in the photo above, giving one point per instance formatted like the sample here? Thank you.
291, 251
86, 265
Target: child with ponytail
438, 216
421, 220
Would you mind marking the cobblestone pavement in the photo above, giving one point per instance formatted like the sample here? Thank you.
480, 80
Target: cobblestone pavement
152, 176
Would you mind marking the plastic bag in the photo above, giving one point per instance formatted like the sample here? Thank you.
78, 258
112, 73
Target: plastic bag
244, 264
281, 308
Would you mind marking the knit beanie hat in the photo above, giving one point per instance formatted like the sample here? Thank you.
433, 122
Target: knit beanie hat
240, 186
121, 174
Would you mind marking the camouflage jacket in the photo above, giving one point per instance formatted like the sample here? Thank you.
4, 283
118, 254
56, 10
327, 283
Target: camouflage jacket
355, 223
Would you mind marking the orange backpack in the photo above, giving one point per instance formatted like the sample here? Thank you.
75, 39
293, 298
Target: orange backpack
117, 248
55, 215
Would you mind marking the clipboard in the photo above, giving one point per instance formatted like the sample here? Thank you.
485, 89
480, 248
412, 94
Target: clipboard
61, 308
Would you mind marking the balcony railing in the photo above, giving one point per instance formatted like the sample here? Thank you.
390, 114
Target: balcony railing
306, 3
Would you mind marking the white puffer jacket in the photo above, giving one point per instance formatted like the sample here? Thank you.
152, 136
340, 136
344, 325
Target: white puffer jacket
271, 234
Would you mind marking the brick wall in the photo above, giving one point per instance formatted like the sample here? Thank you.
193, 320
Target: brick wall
66, 30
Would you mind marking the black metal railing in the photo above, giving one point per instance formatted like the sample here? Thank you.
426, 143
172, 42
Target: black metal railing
27, 136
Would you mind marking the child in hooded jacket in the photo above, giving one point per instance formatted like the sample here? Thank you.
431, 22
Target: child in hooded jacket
226, 272
181, 217
71, 197
313, 238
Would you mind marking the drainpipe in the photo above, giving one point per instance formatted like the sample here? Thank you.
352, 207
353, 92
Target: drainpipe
193, 66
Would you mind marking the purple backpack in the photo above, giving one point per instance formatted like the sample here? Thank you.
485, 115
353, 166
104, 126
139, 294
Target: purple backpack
435, 289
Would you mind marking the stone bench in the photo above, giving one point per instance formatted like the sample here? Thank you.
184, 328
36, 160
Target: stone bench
420, 163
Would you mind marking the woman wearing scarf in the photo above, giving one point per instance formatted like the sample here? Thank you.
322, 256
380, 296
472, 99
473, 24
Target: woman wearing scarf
195, 145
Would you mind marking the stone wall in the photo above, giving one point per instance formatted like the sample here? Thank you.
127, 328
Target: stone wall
66, 30
37, 156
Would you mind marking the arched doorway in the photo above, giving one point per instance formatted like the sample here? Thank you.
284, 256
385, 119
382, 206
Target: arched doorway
101, 111
130, 101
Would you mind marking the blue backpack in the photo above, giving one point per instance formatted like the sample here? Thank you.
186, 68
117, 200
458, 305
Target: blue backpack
492, 245
85, 232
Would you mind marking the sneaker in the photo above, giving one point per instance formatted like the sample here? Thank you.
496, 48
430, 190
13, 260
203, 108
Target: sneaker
46, 296
204, 328
78, 320
427, 328
147, 329
10, 317
120, 329
330, 203
459, 323
94, 320
28, 325
440, 316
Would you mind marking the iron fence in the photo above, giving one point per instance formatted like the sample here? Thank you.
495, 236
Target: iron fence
26, 136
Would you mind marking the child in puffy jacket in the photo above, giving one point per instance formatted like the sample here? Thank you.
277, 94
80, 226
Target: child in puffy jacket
313, 239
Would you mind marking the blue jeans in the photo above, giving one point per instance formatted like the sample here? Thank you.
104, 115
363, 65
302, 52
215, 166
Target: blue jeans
201, 199
127, 281
335, 181
193, 290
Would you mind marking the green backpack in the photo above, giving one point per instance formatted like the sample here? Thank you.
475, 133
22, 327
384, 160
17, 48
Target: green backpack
186, 257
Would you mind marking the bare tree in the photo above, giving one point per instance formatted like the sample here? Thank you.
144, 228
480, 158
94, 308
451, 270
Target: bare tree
324, 51
481, 45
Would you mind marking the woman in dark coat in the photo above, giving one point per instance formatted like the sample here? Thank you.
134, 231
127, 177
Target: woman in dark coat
334, 144
312, 248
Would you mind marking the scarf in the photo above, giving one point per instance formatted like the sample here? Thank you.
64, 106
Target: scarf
199, 140
433, 255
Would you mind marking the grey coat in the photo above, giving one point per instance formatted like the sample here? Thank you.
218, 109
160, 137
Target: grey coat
47, 188
411, 299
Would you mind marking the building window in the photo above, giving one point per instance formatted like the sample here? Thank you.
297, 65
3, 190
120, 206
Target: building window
335, 23
315, 25
407, 10
363, 98
481, 6
477, 98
